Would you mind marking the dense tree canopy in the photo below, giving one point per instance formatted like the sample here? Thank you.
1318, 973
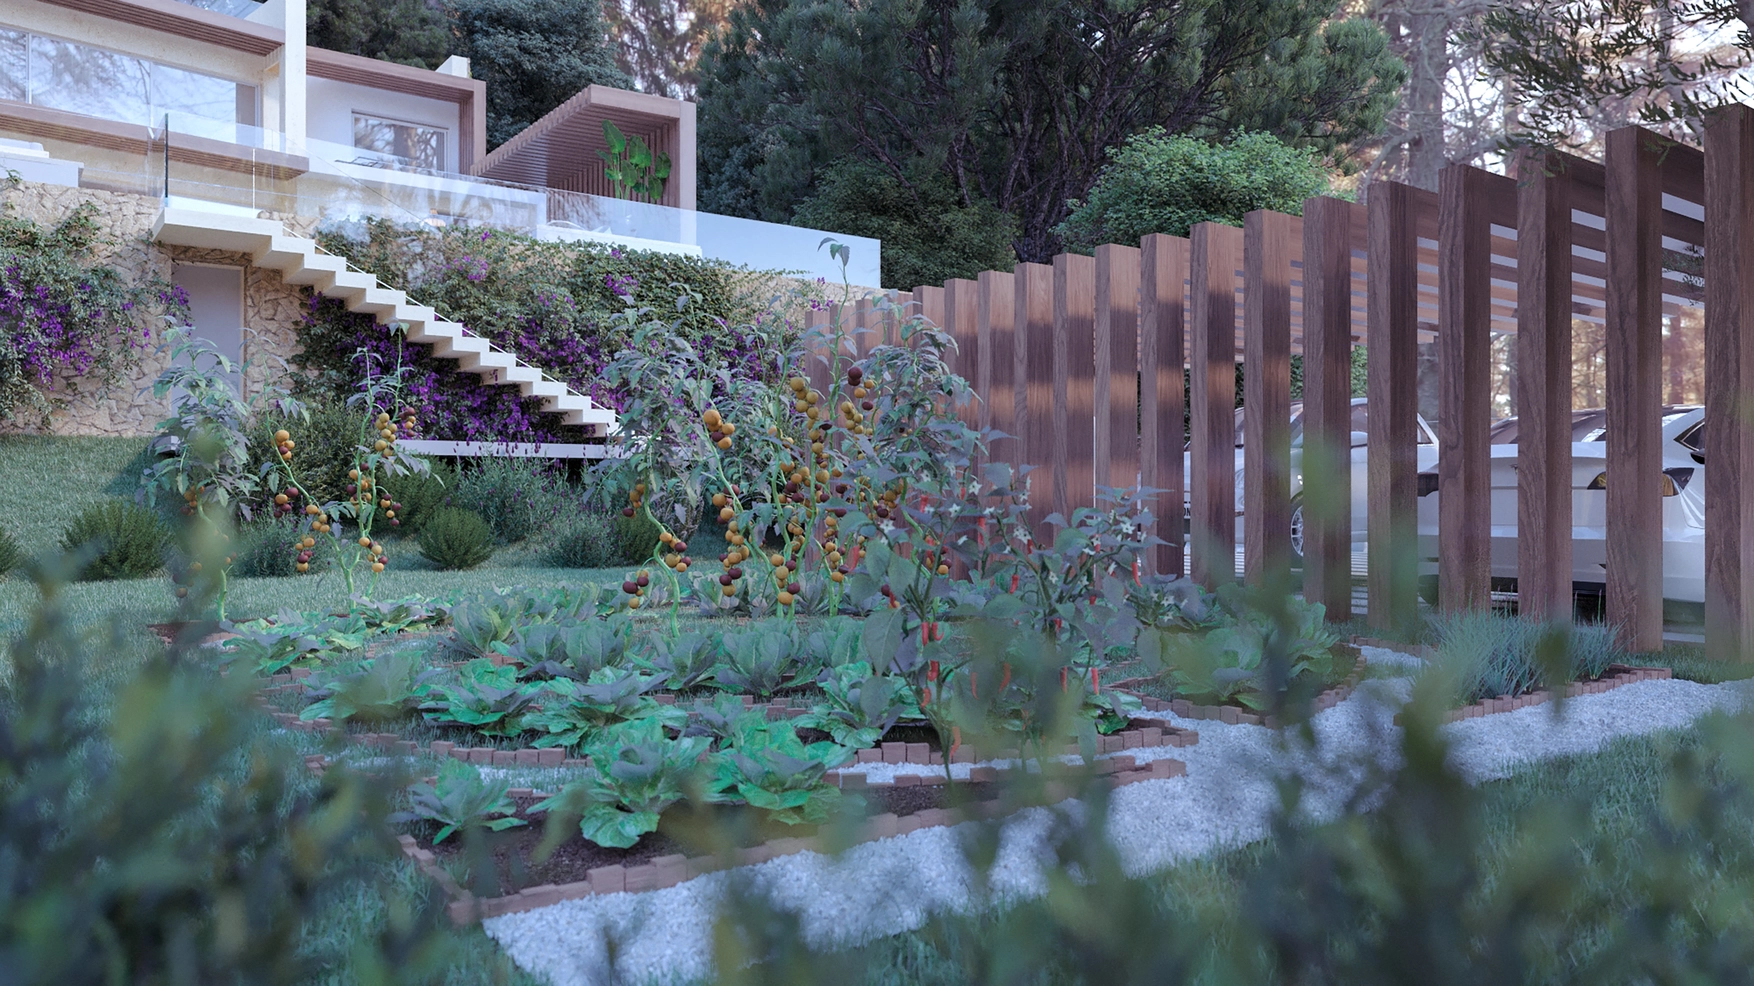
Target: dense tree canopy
929, 235
411, 32
1157, 183
1014, 103
533, 55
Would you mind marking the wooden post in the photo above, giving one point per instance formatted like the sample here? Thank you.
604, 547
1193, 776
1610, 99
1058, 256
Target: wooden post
1216, 248
1543, 399
1074, 380
961, 320
930, 299
998, 299
1033, 396
1634, 388
1729, 384
1327, 405
1393, 389
1163, 280
1464, 341
1115, 398
1266, 384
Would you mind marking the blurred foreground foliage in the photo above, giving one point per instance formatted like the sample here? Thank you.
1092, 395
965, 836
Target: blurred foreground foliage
1418, 878
152, 830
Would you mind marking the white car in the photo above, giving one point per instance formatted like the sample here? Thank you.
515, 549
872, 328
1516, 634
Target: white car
1683, 488
1426, 440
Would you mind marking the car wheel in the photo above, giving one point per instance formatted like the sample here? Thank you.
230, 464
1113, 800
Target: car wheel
1297, 532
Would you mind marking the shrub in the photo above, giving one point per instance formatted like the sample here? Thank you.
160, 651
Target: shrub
269, 549
10, 553
587, 541
324, 449
929, 234
456, 539
519, 497
1486, 655
129, 540
1157, 183
635, 537
422, 496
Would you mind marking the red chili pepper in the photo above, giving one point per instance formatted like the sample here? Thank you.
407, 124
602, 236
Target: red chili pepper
955, 740
1005, 682
1062, 679
1013, 583
973, 692
1095, 686
932, 671
1136, 572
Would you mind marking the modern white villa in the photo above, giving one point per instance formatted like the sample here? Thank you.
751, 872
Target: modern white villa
241, 139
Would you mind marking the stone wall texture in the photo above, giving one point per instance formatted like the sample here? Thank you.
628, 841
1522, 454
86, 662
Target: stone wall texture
272, 310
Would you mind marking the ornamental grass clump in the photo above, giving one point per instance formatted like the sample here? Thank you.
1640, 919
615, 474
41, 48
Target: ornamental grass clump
1485, 655
126, 540
456, 539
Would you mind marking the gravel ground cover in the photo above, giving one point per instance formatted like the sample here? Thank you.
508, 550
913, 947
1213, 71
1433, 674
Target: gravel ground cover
882, 888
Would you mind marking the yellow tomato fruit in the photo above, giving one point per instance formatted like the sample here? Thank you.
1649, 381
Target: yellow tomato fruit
943, 569
785, 598
730, 590
377, 566
365, 542
282, 435
724, 443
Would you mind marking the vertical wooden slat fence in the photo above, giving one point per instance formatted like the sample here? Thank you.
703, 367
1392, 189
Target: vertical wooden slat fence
1115, 395
1392, 390
1074, 381
1327, 404
1266, 442
1729, 384
1464, 533
1033, 397
1544, 482
1081, 361
1634, 392
1162, 401
1216, 252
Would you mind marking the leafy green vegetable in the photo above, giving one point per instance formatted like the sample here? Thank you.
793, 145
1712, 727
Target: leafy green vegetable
686, 659
375, 690
461, 797
488, 698
860, 706
759, 660
769, 767
569, 650
636, 772
576, 714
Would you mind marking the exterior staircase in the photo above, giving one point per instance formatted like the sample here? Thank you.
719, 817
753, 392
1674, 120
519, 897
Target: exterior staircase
301, 261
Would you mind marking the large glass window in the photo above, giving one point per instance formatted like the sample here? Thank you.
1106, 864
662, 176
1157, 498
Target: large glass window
79, 78
423, 147
14, 65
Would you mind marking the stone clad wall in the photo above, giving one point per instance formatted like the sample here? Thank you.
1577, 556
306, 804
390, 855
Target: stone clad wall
272, 310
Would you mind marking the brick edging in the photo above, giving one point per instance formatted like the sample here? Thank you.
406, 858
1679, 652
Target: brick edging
1616, 676
668, 871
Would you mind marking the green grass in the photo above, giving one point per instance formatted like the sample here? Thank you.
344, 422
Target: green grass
45, 481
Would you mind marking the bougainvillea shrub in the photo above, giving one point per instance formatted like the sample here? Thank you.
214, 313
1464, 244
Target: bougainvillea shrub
552, 304
67, 320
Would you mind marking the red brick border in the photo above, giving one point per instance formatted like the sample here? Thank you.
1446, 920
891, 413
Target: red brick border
1617, 675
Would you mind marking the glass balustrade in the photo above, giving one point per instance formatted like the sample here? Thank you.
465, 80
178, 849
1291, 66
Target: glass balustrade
233, 167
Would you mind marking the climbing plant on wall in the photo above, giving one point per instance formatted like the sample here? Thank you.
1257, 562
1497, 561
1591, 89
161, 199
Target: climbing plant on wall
68, 321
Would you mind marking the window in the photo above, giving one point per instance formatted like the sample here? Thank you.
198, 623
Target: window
423, 147
78, 78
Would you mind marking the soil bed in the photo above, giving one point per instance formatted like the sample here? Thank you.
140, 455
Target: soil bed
513, 850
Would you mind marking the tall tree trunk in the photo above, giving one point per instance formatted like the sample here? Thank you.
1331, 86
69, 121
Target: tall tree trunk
1428, 65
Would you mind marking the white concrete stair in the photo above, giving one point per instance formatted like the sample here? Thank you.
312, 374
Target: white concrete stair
300, 261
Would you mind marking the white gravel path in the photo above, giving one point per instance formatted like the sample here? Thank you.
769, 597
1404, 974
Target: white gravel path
1226, 799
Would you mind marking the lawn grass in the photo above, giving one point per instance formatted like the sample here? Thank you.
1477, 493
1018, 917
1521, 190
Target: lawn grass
46, 480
